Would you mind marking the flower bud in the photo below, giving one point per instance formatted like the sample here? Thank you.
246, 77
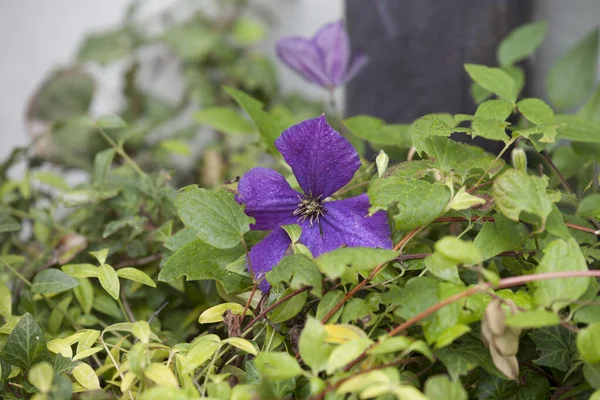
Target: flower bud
519, 159
382, 161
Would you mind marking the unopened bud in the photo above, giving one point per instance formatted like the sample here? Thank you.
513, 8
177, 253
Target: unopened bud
382, 161
519, 159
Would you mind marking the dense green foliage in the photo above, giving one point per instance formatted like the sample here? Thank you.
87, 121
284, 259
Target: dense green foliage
123, 286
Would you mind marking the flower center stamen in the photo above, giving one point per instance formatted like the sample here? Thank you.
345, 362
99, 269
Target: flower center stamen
309, 208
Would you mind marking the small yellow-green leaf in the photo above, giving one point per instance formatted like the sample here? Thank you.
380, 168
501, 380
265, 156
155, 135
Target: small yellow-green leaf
215, 314
242, 344
100, 255
86, 377
136, 275
532, 319
81, 270
346, 353
41, 376
60, 346
109, 280
161, 375
87, 352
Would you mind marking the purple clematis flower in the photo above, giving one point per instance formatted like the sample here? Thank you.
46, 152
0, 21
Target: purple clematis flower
323, 161
325, 59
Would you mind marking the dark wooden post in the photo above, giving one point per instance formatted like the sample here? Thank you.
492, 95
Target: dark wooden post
417, 50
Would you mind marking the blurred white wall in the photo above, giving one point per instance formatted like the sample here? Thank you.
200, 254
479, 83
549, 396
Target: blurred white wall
37, 35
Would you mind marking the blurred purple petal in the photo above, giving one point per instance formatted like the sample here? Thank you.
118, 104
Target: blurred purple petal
267, 253
304, 57
322, 160
333, 42
359, 60
346, 222
267, 197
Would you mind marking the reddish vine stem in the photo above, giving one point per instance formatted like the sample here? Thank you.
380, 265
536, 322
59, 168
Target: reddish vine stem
374, 273
272, 306
479, 288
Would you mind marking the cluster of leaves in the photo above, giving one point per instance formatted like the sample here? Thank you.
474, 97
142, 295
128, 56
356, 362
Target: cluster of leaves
123, 287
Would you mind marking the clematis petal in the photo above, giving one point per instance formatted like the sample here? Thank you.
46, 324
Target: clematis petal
334, 44
359, 60
311, 238
267, 197
346, 222
267, 253
304, 57
322, 159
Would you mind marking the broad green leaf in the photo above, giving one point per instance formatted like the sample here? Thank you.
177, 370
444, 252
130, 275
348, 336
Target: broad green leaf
572, 77
345, 353
289, 308
561, 255
330, 300
242, 344
356, 309
193, 40
51, 179
277, 366
433, 125
109, 280
136, 275
521, 42
161, 375
555, 346
268, 125
62, 347
25, 345
102, 162
535, 388
139, 329
498, 236
578, 129
466, 355
86, 377
492, 387
198, 260
589, 207
41, 376
313, 349
443, 268
8, 223
418, 294
342, 333
215, 314
532, 319
297, 271
416, 203
495, 80
516, 192
106, 47
377, 131
216, 217
52, 280
439, 387
358, 259
536, 111
224, 119
458, 250
587, 343
247, 31
203, 350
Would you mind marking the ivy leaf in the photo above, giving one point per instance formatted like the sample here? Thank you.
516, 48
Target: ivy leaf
224, 119
277, 366
572, 77
555, 346
561, 255
215, 216
536, 387
25, 345
498, 236
198, 260
8, 223
495, 80
516, 192
377, 131
492, 387
417, 203
297, 271
521, 42
52, 280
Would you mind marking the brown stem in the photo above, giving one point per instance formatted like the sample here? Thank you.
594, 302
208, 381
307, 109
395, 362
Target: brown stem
560, 176
272, 306
568, 224
374, 273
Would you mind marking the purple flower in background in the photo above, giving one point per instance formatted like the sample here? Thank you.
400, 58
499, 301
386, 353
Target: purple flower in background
325, 59
323, 162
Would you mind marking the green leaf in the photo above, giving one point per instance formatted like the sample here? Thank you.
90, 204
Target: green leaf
516, 192
52, 280
41, 376
433, 125
26, 345
84, 293
555, 346
277, 366
536, 111
161, 375
587, 343
498, 236
268, 125
5, 300
417, 203
536, 387
109, 280
106, 47
377, 131
215, 314
297, 271
589, 207
356, 259
242, 344
466, 355
458, 250
86, 377
439, 387
289, 308
345, 353
418, 294
492, 387
330, 300
247, 31
495, 80
215, 216
193, 40
136, 275
592, 375
224, 119
561, 255
532, 319
198, 260
8, 223
100, 255
572, 77
521, 42
489, 121
102, 162
578, 129
313, 349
